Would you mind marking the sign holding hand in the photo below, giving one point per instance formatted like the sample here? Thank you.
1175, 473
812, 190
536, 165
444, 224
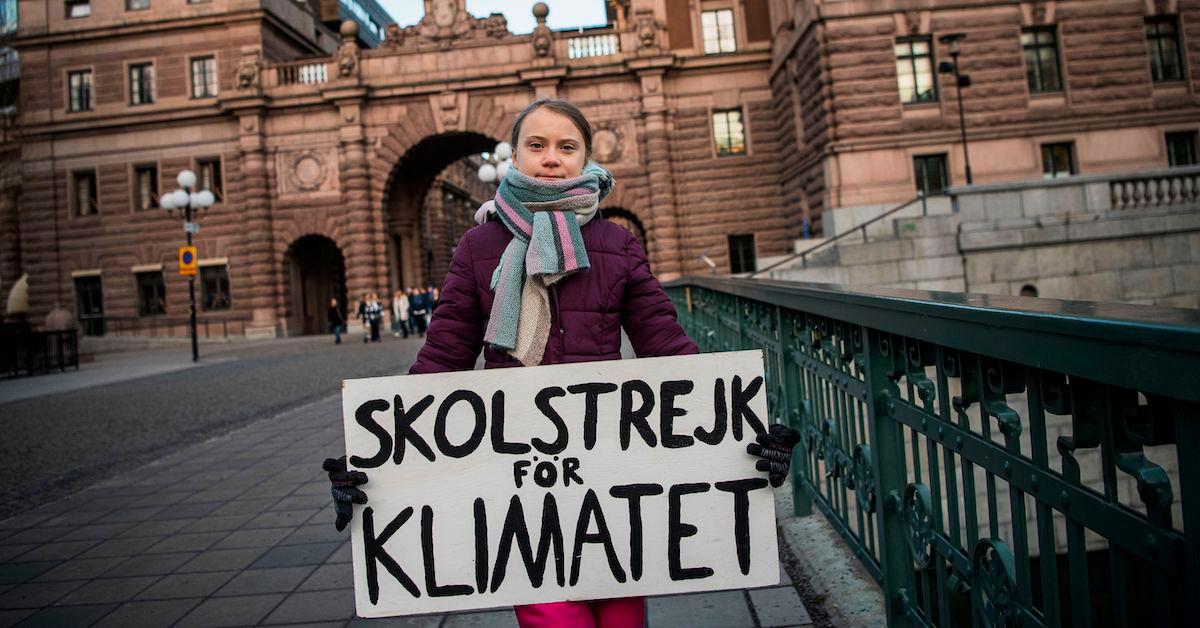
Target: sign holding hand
566, 482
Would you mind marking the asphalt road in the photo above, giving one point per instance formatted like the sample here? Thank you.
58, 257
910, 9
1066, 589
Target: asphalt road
56, 444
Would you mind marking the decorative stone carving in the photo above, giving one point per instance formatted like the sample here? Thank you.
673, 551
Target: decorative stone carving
446, 24
393, 35
449, 110
543, 41
249, 70
495, 26
347, 59
913, 20
306, 171
647, 29
607, 143
445, 19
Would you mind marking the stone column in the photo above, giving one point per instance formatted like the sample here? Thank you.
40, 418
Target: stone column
10, 240
256, 261
663, 226
364, 242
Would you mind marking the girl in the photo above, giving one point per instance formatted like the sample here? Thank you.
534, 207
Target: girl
544, 280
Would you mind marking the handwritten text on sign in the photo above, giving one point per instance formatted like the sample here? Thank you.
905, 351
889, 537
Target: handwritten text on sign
568, 482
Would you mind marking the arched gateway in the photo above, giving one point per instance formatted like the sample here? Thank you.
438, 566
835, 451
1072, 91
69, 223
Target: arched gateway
316, 273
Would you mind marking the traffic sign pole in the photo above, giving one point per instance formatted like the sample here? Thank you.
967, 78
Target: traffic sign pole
192, 288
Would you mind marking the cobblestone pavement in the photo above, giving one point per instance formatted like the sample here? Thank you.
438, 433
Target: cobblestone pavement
237, 529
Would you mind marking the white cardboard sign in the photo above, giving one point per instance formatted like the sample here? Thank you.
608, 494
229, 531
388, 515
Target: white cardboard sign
552, 483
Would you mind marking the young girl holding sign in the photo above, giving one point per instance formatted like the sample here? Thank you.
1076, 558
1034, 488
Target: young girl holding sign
544, 279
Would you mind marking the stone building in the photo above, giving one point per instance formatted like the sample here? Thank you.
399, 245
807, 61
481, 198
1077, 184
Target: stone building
728, 124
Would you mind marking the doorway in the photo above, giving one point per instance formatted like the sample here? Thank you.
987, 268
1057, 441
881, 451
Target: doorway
89, 305
318, 274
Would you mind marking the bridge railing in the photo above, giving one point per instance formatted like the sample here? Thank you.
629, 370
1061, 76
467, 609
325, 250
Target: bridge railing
991, 460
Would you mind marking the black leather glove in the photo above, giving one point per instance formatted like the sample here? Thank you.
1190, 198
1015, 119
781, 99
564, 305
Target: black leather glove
345, 489
775, 448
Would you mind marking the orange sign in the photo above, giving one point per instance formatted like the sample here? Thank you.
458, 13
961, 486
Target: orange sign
187, 261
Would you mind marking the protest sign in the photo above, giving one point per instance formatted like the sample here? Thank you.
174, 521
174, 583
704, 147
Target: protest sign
566, 482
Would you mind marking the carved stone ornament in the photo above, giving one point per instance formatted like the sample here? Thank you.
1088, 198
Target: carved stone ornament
347, 59
647, 29
308, 171
448, 109
1162, 7
248, 72
913, 18
445, 19
393, 35
1039, 13
607, 144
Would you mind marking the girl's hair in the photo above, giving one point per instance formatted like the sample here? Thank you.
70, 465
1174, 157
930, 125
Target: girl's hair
558, 106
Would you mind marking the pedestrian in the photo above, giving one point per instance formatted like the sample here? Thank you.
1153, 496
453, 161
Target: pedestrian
337, 321
431, 296
417, 309
362, 316
374, 316
400, 313
569, 303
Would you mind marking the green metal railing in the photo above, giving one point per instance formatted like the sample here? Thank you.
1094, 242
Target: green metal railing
991, 460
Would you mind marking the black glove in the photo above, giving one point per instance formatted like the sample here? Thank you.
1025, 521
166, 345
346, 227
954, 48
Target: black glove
775, 448
345, 489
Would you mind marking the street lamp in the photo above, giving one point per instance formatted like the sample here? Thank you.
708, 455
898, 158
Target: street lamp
186, 200
496, 163
960, 81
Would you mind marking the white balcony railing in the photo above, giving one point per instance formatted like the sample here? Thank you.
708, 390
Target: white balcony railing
306, 73
586, 46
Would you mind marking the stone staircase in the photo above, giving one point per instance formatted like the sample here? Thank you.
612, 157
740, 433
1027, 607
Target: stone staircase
915, 248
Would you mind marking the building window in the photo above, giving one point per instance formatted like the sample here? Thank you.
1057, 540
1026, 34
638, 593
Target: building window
83, 193
718, 31
79, 89
78, 8
1041, 59
152, 293
1181, 148
204, 77
1058, 160
930, 173
137, 5
1162, 35
914, 71
741, 254
145, 187
214, 287
729, 133
141, 84
208, 175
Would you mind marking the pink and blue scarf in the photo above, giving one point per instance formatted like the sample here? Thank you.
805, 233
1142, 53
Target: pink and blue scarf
544, 217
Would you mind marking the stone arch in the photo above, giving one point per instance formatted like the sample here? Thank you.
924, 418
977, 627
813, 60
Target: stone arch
314, 271
629, 221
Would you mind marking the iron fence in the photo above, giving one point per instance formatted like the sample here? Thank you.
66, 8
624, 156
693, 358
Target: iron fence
991, 460
26, 352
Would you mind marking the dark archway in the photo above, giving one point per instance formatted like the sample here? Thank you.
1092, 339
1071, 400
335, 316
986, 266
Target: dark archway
420, 241
630, 221
316, 273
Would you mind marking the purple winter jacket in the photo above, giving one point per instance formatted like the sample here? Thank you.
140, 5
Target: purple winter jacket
587, 309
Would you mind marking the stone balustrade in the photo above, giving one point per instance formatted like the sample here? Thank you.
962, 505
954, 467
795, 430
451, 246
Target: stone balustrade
1156, 190
595, 45
306, 72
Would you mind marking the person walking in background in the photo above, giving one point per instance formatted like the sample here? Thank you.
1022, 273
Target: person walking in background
431, 296
417, 309
337, 321
362, 316
400, 313
374, 315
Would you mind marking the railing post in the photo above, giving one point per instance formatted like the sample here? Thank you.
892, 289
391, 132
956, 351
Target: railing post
888, 464
1187, 442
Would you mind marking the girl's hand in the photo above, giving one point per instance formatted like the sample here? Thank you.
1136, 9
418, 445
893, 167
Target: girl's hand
775, 448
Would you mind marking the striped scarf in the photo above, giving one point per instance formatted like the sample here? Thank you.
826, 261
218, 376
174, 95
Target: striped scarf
544, 218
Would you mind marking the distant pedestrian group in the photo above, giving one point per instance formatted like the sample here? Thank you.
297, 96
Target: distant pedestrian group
411, 310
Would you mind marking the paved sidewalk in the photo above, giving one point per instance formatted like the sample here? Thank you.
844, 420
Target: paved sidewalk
238, 531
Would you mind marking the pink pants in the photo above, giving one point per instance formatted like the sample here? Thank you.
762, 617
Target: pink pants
627, 612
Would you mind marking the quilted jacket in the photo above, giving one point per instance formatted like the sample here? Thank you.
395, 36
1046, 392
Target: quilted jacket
588, 308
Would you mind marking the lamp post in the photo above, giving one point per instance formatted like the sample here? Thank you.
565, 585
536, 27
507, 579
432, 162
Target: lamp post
496, 163
960, 81
186, 200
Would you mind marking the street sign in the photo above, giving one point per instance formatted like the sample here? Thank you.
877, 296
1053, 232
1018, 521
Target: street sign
187, 261
191, 227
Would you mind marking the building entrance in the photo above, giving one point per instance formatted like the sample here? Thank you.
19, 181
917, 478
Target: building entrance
317, 274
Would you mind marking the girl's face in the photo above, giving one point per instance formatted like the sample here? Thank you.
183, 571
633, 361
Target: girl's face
549, 146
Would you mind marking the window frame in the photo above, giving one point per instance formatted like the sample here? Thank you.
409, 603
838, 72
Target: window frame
923, 160
1072, 162
753, 248
216, 87
67, 4
135, 191
205, 293
715, 12
712, 125
70, 91
93, 193
129, 5
1038, 47
1193, 138
161, 292
129, 70
911, 57
198, 168
1154, 48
